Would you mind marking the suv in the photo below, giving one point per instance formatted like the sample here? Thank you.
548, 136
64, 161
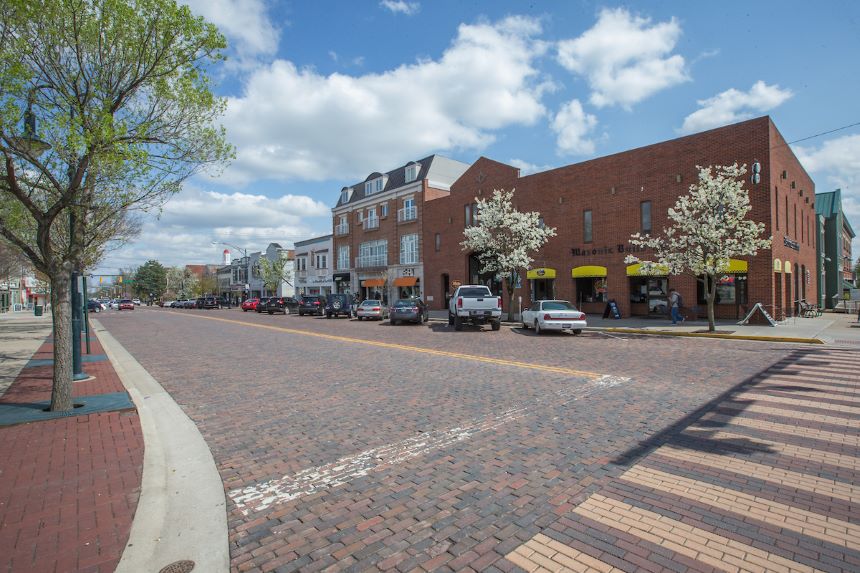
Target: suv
338, 304
210, 302
284, 304
311, 304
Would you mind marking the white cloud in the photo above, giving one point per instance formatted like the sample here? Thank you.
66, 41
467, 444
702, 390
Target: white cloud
295, 123
625, 58
245, 23
189, 222
399, 6
836, 165
527, 168
573, 127
733, 105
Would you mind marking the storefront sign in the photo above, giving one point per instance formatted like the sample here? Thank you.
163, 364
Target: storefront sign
791, 244
620, 248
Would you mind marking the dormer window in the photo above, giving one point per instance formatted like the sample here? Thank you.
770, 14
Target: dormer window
344, 195
374, 184
412, 171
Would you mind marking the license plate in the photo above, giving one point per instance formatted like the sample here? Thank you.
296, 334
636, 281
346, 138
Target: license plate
480, 312
566, 325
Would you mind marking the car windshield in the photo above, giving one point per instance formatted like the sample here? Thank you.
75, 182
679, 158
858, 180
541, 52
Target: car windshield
558, 305
405, 302
371, 303
474, 292
125, 300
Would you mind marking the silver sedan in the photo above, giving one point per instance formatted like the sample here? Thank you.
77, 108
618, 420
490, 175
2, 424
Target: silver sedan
371, 309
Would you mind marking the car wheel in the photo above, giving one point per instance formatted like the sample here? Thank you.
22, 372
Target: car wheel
450, 319
393, 322
359, 317
496, 324
244, 310
577, 332
271, 312
458, 323
328, 315
537, 327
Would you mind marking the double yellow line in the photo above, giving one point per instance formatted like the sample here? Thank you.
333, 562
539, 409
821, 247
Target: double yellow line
407, 348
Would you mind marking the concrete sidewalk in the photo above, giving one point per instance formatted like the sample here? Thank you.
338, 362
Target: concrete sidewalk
830, 328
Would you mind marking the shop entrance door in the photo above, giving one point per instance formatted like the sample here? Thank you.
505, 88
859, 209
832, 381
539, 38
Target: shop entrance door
658, 302
544, 289
777, 296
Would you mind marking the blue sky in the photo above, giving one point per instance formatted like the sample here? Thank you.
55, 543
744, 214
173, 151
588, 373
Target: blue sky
320, 94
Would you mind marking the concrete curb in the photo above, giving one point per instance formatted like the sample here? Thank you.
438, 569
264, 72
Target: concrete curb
181, 514
710, 335
621, 330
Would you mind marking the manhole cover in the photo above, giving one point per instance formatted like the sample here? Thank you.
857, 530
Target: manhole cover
178, 567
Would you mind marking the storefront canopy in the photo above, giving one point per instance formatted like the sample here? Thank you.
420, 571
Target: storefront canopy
588, 271
373, 283
636, 270
541, 273
737, 266
405, 281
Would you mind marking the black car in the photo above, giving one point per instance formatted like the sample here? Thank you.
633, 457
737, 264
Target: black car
311, 304
94, 306
408, 310
338, 304
210, 302
261, 306
283, 304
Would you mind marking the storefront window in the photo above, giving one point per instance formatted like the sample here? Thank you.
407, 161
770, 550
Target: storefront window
591, 289
650, 290
731, 290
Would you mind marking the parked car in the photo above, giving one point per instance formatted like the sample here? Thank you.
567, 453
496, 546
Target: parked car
136, 301
475, 304
165, 303
371, 308
126, 304
408, 309
114, 304
261, 306
311, 304
250, 304
210, 302
338, 304
283, 304
553, 315
94, 306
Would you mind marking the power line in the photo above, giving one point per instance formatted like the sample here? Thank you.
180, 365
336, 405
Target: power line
820, 134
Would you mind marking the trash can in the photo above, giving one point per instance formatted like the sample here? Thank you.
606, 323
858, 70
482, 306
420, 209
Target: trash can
37, 310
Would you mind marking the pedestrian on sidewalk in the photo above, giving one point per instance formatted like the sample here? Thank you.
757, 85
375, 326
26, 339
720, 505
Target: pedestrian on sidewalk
675, 306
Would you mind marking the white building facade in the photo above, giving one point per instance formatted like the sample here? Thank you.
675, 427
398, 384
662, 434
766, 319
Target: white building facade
313, 266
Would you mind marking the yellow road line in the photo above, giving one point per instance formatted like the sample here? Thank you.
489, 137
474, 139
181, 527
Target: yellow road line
379, 344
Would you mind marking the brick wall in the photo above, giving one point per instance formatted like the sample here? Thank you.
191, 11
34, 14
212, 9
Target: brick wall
613, 188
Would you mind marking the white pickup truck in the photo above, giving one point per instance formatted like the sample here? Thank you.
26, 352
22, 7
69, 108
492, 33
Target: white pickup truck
474, 304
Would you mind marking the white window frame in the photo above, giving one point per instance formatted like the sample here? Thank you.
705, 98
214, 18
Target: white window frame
412, 173
409, 249
343, 257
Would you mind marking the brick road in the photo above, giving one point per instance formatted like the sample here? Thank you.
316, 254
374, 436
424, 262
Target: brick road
355, 445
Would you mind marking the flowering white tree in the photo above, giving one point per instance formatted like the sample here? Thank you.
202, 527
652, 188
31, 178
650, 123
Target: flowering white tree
504, 238
709, 227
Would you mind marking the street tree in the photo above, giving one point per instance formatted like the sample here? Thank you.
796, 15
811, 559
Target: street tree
709, 226
118, 112
150, 280
277, 272
504, 239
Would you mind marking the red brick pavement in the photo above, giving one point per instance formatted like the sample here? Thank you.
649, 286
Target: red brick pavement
68, 487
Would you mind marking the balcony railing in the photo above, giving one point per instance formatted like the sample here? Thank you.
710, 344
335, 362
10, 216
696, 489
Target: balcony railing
371, 223
409, 258
341, 229
407, 214
371, 261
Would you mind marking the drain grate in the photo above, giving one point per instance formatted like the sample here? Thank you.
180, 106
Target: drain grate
183, 566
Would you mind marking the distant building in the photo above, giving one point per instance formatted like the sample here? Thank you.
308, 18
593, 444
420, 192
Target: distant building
313, 266
835, 271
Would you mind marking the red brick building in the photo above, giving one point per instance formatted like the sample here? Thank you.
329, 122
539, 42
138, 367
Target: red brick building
597, 204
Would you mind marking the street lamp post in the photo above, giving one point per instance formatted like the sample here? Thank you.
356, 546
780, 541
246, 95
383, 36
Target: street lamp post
244, 255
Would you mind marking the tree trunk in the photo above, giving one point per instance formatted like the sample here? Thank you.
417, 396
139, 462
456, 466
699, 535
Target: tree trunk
710, 289
510, 286
61, 308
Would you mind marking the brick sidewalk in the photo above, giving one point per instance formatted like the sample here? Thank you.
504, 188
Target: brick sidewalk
68, 487
766, 479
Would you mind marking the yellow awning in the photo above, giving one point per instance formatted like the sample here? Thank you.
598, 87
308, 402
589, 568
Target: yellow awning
777, 266
541, 273
635, 270
787, 268
588, 271
737, 266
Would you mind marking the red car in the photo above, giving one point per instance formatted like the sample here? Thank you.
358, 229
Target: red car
250, 304
126, 304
